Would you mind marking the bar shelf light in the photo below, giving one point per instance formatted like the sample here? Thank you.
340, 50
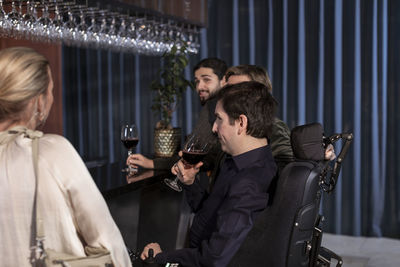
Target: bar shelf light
75, 23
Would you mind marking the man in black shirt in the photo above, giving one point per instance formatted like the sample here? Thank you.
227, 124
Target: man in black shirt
244, 116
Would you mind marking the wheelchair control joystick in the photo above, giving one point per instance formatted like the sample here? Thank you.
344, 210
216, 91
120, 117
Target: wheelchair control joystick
150, 261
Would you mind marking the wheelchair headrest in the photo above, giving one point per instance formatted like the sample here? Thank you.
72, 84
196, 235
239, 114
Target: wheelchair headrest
308, 142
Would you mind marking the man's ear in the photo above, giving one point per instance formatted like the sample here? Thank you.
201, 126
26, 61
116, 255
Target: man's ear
222, 82
242, 122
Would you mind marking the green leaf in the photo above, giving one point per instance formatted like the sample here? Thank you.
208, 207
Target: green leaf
170, 84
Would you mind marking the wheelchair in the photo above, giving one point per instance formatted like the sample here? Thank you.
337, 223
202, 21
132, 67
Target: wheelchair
288, 233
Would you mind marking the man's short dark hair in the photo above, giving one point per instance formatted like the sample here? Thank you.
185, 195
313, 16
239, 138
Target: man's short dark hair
218, 66
253, 100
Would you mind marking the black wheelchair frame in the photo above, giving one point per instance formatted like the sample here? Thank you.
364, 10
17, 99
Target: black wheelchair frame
289, 232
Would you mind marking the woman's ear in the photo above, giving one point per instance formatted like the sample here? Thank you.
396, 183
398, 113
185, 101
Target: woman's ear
41, 104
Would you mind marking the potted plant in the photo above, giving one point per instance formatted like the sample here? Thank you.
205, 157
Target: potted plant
169, 87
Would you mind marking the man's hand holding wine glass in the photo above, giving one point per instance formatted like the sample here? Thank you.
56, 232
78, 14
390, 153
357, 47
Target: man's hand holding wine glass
185, 172
194, 150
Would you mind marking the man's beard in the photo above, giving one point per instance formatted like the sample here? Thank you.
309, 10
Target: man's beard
203, 101
211, 95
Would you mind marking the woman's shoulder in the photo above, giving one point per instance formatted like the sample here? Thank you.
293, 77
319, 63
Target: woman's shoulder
54, 139
58, 154
50, 143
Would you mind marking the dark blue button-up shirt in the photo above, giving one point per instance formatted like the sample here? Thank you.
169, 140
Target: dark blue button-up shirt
224, 218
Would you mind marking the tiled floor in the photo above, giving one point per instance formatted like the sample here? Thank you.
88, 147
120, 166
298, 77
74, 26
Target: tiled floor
364, 251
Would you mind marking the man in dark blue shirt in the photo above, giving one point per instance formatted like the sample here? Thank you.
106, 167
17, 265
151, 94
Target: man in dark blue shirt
244, 115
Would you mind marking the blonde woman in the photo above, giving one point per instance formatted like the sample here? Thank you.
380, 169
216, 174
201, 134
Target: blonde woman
73, 210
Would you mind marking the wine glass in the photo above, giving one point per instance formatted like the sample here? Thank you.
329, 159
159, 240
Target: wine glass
94, 29
4, 25
81, 37
130, 139
14, 21
56, 26
194, 150
69, 27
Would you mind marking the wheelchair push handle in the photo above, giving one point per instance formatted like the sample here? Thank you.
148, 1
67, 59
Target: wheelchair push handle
348, 138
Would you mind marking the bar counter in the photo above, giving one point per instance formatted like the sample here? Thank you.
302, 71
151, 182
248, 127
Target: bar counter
144, 208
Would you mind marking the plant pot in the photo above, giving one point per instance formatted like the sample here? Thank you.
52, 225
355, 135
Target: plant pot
166, 142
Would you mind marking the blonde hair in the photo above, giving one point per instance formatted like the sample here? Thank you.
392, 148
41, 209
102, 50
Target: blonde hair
254, 72
23, 75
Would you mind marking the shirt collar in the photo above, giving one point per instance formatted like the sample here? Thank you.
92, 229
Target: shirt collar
250, 157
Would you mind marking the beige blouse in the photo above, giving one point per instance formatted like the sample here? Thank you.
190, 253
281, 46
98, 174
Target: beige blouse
67, 193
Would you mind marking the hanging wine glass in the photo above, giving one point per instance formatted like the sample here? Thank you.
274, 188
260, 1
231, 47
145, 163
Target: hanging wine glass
4, 23
111, 33
77, 24
81, 36
103, 32
44, 24
122, 36
94, 29
28, 22
56, 26
141, 29
14, 20
162, 37
192, 40
69, 28
131, 36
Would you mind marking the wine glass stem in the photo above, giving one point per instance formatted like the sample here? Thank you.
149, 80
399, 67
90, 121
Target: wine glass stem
131, 169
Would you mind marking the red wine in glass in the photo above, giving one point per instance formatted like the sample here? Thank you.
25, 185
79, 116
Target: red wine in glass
193, 157
129, 137
130, 144
194, 150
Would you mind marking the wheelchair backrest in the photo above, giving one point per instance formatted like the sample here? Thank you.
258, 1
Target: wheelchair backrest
282, 232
